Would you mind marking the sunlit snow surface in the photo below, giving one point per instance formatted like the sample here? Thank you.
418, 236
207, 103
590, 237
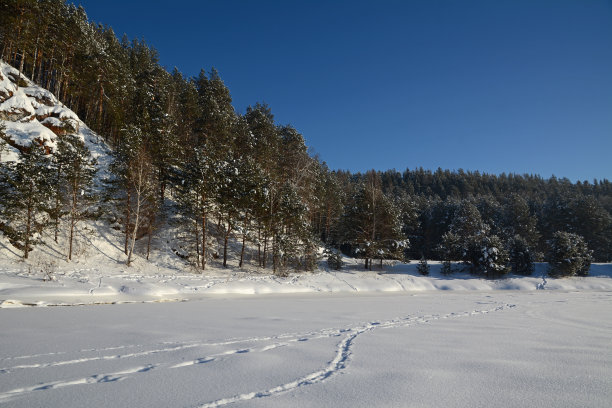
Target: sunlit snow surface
435, 349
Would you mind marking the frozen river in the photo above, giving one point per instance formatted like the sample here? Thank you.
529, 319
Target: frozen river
438, 349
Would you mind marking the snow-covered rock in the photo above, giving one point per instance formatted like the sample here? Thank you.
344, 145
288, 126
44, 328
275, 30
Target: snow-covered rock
31, 113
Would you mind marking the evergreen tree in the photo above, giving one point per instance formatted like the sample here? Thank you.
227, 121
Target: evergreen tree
423, 267
77, 180
372, 224
568, 255
27, 196
518, 220
446, 267
521, 256
465, 234
120, 185
487, 256
197, 191
334, 258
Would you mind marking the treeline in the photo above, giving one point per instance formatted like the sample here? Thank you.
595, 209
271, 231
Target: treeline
181, 149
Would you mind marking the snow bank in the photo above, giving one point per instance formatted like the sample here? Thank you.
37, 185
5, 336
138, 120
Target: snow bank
96, 283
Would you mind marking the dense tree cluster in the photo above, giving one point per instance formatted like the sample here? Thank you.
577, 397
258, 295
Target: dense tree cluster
181, 151
523, 212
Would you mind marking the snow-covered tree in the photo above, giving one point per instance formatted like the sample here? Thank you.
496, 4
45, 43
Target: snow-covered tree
27, 195
518, 220
372, 225
423, 267
196, 193
487, 256
465, 233
77, 176
334, 258
446, 267
143, 185
568, 255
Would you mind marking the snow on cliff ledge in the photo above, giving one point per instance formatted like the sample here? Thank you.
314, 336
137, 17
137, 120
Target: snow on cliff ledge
31, 113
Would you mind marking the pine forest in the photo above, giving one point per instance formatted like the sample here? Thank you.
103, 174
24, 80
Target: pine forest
233, 182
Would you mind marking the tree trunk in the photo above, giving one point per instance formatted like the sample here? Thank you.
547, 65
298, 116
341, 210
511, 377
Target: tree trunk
100, 100
34, 62
134, 230
265, 248
57, 199
28, 230
21, 66
197, 239
150, 231
203, 240
274, 253
127, 221
72, 221
244, 234
227, 233
259, 246
327, 223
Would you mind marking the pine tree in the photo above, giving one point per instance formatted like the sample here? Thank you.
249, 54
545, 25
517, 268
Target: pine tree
120, 186
487, 256
521, 256
423, 267
197, 191
334, 258
27, 196
372, 224
518, 220
465, 233
446, 267
77, 177
568, 255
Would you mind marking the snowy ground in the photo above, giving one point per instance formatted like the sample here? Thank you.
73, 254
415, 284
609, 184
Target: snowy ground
81, 283
159, 335
429, 349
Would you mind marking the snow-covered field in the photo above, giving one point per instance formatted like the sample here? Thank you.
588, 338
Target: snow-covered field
540, 348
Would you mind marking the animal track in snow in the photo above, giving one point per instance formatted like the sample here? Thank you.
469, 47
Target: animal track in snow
342, 357
338, 363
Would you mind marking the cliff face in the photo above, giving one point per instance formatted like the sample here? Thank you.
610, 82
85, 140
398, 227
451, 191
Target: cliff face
30, 113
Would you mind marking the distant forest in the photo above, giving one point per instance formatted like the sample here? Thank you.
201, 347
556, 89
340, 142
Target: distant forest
181, 149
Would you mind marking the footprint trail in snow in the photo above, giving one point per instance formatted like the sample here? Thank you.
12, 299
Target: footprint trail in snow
230, 348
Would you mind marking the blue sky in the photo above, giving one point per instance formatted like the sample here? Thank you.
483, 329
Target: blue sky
516, 86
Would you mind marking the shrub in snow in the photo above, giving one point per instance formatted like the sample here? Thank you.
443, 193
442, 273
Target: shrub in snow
568, 255
334, 258
446, 268
423, 267
521, 256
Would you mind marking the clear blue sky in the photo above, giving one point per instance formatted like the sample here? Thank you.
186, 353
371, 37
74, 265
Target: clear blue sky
515, 86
